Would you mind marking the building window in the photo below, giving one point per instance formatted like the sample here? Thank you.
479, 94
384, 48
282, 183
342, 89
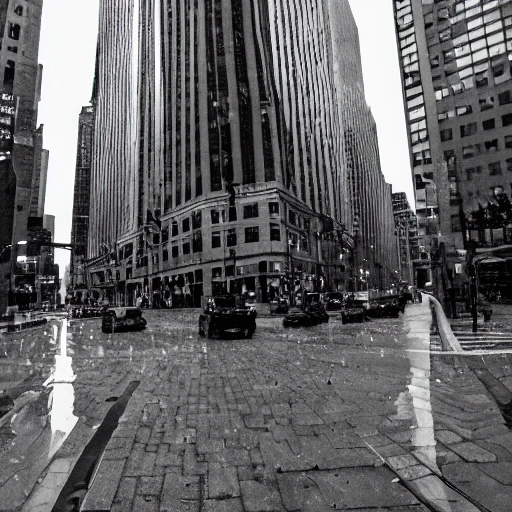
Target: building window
174, 251
481, 79
509, 164
464, 110
18, 10
165, 235
215, 239
196, 220
304, 242
231, 237
489, 124
491, 145
186, 247
506, 119
495, 168
14, 31
486, 103
468, 129
252, 234
217, 216
230, 270
508, 141
185, 225
456, 226
232, 213
275, 233
292, 217
250, 211
217, 272
505, 98
469, 174
446, 135
273, 208
174, 228
197, 242
467, 151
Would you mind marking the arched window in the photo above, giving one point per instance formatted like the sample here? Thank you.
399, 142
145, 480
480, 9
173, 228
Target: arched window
18, 10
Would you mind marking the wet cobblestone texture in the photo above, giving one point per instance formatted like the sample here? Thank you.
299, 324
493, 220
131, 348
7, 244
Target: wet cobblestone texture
472, 405
334, 417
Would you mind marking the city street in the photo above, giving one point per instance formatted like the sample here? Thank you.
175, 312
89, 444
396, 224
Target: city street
321, 418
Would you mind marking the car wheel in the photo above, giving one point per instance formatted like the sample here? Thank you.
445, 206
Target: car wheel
247, 333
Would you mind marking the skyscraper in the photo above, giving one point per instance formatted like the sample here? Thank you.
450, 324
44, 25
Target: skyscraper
455, 59
233, 180
23, 162
81, 197
369, 194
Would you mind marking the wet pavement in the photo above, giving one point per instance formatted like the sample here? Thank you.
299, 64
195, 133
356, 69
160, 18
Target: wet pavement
333, 417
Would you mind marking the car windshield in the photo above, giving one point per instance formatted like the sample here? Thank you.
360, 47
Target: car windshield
225, 301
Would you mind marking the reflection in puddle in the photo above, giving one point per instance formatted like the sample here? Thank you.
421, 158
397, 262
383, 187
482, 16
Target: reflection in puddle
62, 398
41, 419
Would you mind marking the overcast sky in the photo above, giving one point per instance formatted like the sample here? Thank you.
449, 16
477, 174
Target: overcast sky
67, 52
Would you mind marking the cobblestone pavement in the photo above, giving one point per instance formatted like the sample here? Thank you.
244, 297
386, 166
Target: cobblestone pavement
334, 417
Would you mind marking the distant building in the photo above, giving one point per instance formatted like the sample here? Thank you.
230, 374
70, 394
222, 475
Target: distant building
457, 86
23, 162
81, 197
410, 256
369, 194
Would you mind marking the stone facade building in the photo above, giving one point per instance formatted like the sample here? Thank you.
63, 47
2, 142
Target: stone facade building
81, 197
230, 171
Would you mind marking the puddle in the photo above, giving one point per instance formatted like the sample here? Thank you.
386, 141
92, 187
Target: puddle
40, 420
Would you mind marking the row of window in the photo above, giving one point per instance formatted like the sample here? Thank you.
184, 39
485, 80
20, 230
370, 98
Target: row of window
504, 98
495, 169
485, 147
471, 128
243, 270
217, 216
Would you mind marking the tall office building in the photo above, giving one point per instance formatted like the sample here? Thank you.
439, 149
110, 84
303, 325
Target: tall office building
455, 59
407, 233
368, 192
234, 179
23, 162
81, 197
115, 145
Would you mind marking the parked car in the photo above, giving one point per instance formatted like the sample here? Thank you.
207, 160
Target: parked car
298, 319
314, 314
226, 315
385, 307
122, 319
354, 311
333, 301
